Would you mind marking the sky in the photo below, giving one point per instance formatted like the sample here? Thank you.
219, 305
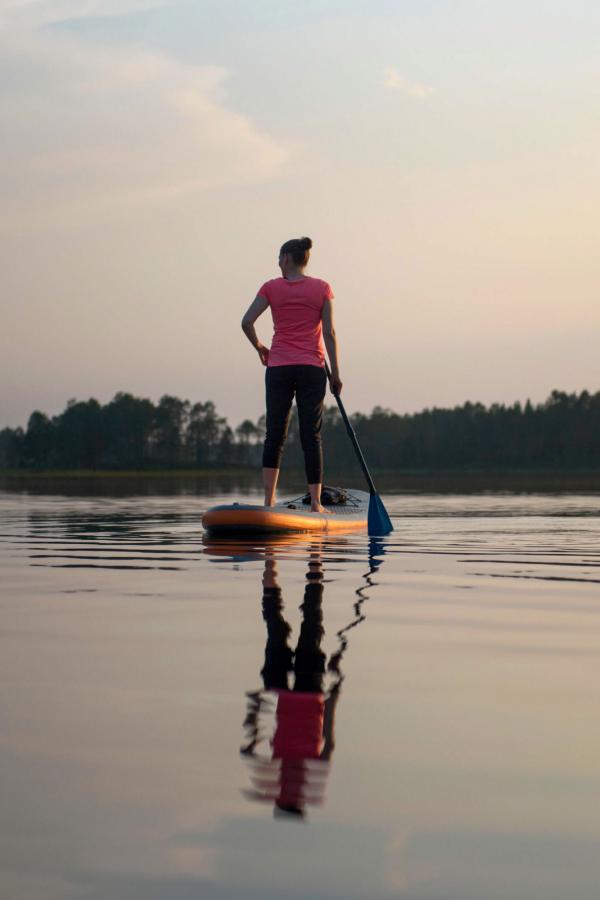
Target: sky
444, 157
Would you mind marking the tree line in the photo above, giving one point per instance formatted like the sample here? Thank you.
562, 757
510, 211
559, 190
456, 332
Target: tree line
135, 433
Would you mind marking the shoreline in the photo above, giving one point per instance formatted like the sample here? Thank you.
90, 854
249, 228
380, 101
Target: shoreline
451, 481
253, 470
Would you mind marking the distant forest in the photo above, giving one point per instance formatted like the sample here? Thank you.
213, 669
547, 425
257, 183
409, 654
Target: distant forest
134, 433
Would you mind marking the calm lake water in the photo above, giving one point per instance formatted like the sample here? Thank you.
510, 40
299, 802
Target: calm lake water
412, 718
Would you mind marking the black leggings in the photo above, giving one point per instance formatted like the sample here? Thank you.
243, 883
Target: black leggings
308, 383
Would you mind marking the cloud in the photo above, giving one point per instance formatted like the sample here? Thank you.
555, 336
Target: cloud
36, 13
397, 82
88, 127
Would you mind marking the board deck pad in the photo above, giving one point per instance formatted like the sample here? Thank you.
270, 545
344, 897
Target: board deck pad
288, 516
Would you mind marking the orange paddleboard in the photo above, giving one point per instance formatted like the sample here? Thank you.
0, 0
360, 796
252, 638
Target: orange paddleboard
289, 516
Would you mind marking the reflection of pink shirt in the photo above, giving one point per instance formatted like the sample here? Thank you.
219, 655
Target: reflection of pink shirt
296, 307
299, 732
296, 773
297, 739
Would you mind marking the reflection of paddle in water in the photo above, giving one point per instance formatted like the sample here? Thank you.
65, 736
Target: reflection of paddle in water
293, 776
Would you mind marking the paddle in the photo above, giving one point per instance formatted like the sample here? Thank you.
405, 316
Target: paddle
379, 522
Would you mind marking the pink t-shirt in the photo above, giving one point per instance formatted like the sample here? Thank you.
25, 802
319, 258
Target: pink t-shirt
296, 307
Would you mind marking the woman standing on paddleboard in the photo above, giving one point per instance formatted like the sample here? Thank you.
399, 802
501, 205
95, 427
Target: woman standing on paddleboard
302, 312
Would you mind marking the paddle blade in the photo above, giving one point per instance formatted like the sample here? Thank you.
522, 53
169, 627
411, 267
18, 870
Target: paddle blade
378, 520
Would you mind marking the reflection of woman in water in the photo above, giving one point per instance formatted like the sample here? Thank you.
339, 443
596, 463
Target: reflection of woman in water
295, 772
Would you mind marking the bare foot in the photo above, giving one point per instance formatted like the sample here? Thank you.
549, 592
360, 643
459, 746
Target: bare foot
320, 509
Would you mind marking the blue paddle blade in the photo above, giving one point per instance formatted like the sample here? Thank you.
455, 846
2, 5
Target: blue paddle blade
378, 520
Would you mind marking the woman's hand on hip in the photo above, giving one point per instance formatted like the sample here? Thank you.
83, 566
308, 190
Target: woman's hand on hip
263, 353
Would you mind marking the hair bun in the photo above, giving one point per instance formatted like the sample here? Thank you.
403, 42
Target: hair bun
298, 249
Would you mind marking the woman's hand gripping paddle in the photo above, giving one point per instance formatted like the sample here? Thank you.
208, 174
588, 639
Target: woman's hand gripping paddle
379, 522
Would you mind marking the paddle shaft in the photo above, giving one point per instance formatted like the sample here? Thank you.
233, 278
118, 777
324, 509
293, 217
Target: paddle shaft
352, 436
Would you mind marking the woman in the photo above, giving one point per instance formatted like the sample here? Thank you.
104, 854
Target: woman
302, 312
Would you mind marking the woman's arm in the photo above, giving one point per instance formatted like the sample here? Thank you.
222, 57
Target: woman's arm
256, 309
331, 346
329, 721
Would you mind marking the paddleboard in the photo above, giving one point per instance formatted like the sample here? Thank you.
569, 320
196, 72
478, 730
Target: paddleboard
288, 517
